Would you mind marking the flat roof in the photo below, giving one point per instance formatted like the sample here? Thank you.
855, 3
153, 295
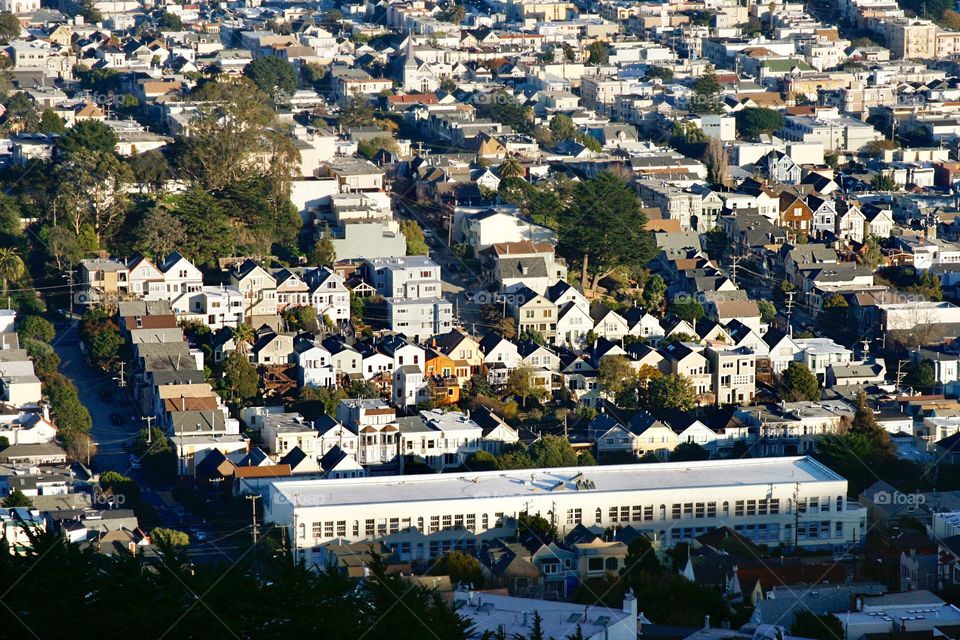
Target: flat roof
507, 484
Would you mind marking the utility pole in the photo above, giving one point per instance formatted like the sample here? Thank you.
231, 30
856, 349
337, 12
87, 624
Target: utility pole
900, 373
70, 281
149, 420
123, 379
253, 503
735, 260
789, 312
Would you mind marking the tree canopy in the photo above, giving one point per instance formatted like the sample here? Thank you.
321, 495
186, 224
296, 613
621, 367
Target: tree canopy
604, 229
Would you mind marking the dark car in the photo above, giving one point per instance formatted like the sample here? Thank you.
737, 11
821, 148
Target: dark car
116, 419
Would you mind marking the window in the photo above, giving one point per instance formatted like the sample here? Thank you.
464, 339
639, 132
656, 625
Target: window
688, 509
613, 514
648, 513
317, 529
341, 528
595, 564
574, 516
774, 506
434, 524
738, 508
701, 509
676, 511
751, 507
598, 516
369, 530
624, 514
711, 509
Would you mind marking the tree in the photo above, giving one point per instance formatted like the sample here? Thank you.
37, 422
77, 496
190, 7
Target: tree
272, 74
481, 461
170, 22
462, 569
10, 27
663, 73
21, 113
50, 122
102, 337
921, 374
17, 498
552, 451
91, 136
357, 112
369, 147
598, 53
93, 190
301, 318
520, 384
780, 291
323, 253
454, 13
207, 227
671, 392
688, 452
799, 383
807, 624
706, 93
510, 168
754, 121
687, 309
169, 537
562, 127
11, 267
151, 170
615, 374
833, 315
654, 292
314, 402
641, 558
159, 233
604, 229
767, 311
230, 124
871, 254
505, 109
883, 182
416, 240
36, 328
240, 377
715, 157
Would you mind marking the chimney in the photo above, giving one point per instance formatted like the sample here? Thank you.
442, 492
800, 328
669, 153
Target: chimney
630, 604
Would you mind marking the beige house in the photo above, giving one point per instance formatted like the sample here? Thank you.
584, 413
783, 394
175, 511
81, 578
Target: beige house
259, 289
533, 312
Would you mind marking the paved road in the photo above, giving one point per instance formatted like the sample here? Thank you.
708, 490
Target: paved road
91, 383
458, 279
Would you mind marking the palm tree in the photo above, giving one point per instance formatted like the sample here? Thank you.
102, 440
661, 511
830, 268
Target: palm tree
510, 168
11, 266
243, 335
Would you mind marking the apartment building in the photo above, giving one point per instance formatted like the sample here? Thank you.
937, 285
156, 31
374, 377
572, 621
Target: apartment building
771, 501
733, 374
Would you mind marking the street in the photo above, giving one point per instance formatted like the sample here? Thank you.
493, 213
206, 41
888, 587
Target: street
458, 279
91, 382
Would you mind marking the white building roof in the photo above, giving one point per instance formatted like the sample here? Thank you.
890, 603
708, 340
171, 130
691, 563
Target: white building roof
513, 484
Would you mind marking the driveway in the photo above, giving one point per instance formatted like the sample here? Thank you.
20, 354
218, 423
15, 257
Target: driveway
91, 382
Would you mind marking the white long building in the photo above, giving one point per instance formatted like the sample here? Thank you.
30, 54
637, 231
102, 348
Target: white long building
774, 501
